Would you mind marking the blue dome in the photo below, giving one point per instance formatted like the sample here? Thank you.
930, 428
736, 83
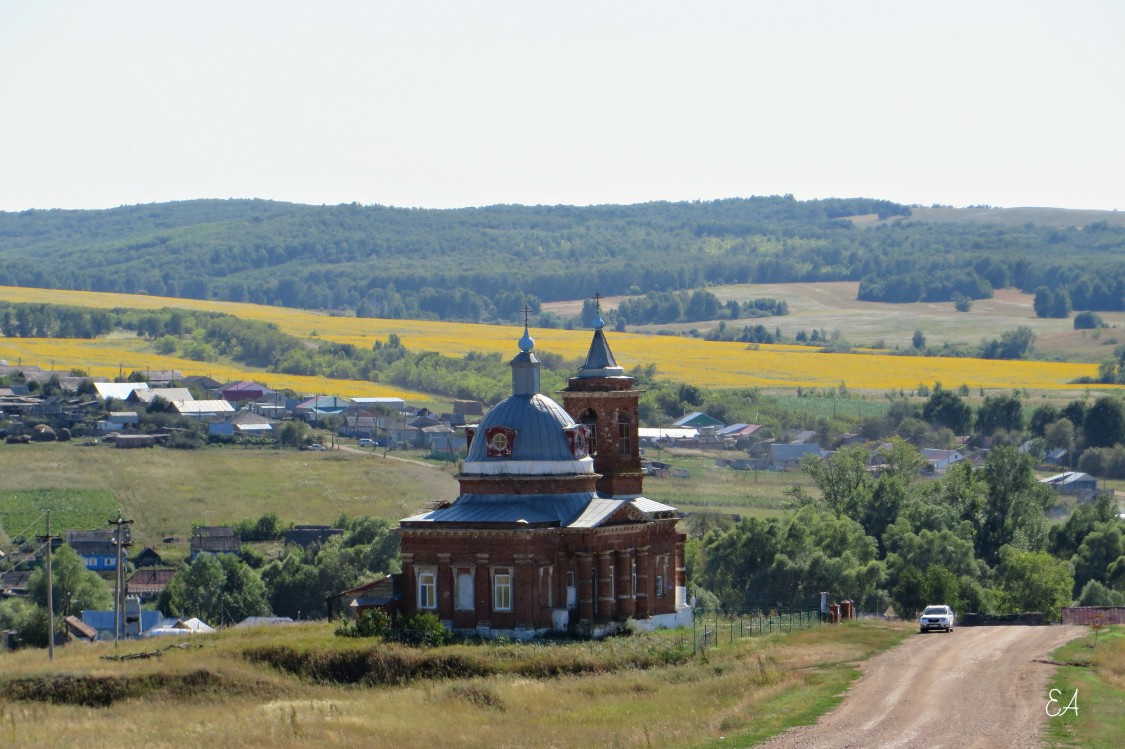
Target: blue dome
538, 423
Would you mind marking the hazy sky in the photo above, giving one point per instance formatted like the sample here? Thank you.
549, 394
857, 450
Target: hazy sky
444, 104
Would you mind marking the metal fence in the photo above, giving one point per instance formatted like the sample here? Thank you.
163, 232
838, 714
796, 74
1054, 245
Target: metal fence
712, 629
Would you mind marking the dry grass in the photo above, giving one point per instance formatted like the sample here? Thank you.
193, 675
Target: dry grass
739, 692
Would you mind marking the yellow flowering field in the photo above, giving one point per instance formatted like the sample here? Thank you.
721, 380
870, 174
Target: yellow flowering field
708, 364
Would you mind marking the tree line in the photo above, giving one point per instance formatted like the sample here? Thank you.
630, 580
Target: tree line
979, 541
484, 264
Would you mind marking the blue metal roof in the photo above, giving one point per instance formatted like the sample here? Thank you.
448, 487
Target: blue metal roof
538, 422
536, 509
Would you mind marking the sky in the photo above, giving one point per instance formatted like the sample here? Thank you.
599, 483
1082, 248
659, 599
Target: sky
451, 104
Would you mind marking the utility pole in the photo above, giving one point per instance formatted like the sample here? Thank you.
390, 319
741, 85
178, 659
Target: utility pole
119, 580
50, 595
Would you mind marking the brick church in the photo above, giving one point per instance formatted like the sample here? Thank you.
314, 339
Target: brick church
551, 532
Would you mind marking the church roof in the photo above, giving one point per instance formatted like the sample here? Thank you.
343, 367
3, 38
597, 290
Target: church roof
547, 510
539, 443
529, 434
538, 422
599, 360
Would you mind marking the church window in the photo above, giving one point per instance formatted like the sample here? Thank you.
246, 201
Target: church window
660, 586
624, 438
590, 419
463, 595
633, 592
502, 589
427, 590
501, 440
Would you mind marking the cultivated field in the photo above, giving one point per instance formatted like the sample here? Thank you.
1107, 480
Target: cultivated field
833, 307
702, 363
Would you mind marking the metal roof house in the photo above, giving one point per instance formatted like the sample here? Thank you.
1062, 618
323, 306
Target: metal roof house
697, 420
550, 531
1082, 485
118, 390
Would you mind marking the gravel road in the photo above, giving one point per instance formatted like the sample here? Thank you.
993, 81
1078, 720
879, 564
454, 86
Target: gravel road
974, 688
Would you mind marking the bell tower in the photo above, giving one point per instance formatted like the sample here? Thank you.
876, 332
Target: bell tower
603, 398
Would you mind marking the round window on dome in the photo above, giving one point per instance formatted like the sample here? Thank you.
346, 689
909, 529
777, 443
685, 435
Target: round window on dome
500, 442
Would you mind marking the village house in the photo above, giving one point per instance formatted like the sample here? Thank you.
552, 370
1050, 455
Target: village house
215, 539
98, 548
118, 390
239, 392
1073, 483
551, 531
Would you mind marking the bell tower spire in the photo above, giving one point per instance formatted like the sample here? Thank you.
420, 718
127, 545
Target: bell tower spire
603, 398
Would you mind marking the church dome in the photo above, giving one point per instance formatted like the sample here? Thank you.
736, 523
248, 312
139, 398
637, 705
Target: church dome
527, 433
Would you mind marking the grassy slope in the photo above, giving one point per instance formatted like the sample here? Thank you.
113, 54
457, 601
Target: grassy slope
166, 491
736, 695
1097, 673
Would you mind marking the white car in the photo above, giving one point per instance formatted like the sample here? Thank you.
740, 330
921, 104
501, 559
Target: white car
315, 447
936, 617
366, 442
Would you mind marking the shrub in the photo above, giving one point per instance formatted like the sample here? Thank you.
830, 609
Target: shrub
422, 628
1088, 321
369, 623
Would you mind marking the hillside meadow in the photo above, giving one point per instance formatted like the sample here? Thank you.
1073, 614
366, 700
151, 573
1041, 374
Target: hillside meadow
217, 691
167, 491
705, 364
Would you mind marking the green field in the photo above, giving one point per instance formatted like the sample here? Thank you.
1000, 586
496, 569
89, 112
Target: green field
1094, 670
710, 488
167, 491
22, 510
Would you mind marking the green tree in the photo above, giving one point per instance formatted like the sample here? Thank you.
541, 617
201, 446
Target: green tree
1099, 549
944, 408
75, 587
1043, 416
294, 432
843, 479
908, 593
1015, 504
1000, 412
1104, 425
1033, 581
919, 340
218, 589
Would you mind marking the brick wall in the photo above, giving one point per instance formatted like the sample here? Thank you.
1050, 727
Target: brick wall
1084, 615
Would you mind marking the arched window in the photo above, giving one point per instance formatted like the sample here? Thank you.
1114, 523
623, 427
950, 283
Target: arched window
624, 435
590, 419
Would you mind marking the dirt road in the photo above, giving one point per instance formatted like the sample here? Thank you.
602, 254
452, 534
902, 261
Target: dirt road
977, 687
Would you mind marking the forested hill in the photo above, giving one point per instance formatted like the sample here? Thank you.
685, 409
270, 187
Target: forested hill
486, 263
